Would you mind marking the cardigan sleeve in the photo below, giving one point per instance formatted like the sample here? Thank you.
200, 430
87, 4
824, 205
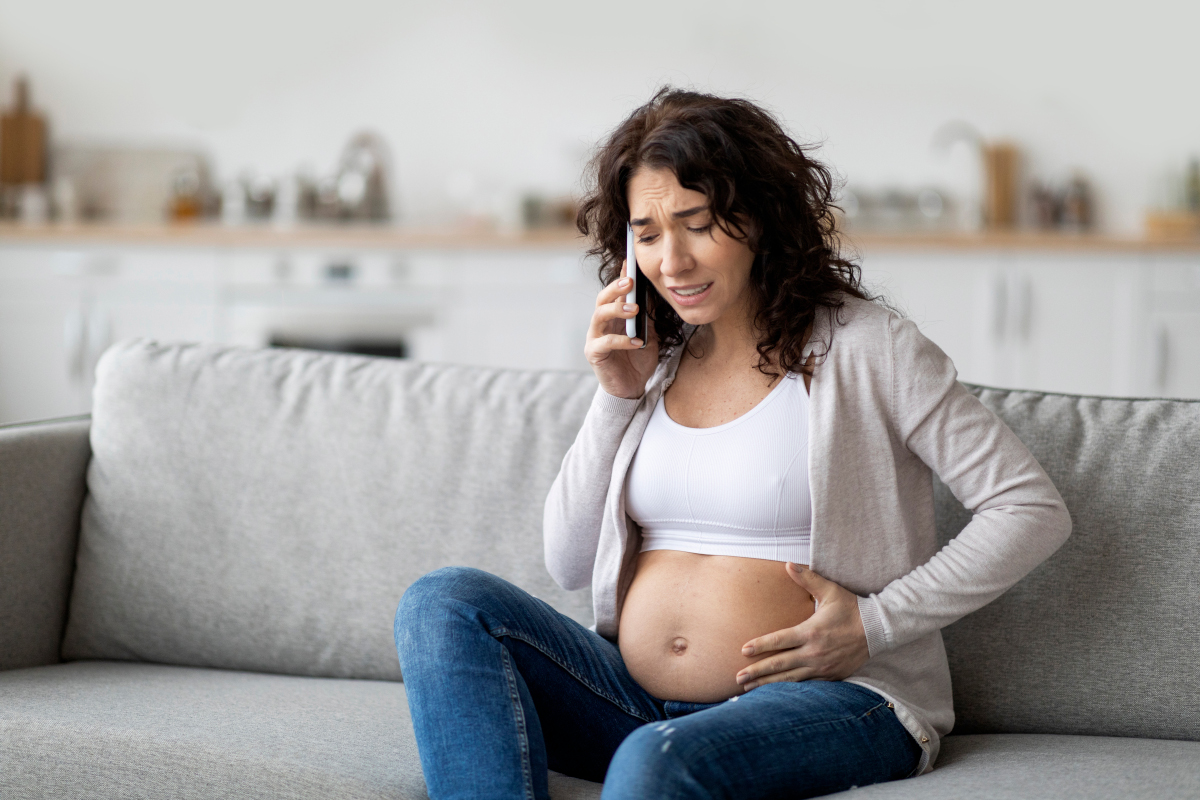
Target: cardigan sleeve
575, 506
1018, 517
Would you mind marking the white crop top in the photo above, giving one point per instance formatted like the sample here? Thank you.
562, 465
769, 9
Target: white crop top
739, 489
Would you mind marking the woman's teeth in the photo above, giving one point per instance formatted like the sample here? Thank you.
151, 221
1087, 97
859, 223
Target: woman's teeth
690, 292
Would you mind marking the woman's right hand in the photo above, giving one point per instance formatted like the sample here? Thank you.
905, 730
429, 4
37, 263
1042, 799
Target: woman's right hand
620, 363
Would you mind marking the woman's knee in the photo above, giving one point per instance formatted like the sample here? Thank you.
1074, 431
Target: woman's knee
650, 763
431, 596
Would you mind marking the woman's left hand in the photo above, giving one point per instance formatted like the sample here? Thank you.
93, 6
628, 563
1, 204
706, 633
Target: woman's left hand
830, 645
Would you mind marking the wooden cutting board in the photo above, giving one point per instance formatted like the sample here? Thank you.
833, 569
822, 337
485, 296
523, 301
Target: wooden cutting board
22, 142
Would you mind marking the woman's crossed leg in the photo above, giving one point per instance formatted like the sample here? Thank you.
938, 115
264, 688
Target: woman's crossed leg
781, 740
503, 687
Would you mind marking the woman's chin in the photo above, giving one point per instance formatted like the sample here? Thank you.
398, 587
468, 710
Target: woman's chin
697, 316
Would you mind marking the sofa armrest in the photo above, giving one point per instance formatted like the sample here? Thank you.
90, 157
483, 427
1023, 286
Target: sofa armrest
43, 479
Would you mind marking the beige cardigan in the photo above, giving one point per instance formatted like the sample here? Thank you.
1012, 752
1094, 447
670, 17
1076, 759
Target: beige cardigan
885, 409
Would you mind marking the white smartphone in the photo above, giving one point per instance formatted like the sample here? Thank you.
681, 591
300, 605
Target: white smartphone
635, 328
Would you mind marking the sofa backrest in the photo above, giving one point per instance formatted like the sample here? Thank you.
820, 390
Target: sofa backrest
265, 509
1104, 637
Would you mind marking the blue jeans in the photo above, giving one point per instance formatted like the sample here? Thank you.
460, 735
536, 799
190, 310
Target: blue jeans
502, 687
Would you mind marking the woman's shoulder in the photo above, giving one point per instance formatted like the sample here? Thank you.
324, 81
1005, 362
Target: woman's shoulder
871, 330
861, 312
854, 323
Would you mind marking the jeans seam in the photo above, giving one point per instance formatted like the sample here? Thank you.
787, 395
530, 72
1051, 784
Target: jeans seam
895, 716
921, 752
907, 735
873, 709
522, 727
502, 631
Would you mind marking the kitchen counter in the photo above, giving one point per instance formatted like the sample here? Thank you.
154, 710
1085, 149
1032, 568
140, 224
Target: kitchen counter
386, 237
364, 237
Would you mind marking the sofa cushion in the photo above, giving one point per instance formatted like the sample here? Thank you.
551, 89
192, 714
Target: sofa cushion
265, 509
108, 729
1022, 766
1103, 638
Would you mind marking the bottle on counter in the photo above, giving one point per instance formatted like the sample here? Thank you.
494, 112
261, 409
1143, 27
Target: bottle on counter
1077, 206
186, 202
1000, 163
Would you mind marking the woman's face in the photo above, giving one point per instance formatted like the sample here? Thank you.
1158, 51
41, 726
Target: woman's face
702, 271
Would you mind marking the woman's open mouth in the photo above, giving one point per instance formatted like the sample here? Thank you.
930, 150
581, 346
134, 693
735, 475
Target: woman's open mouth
691, 295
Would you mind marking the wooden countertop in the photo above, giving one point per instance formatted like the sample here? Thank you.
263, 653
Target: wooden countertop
365, 237
384, 237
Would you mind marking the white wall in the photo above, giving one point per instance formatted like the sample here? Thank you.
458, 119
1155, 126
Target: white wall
480, 101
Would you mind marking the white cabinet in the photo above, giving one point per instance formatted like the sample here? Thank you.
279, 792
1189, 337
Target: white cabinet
517, 310
158, 294
1173, 327
941, 293
1122, 324
43, 324
1067, 330
59, 310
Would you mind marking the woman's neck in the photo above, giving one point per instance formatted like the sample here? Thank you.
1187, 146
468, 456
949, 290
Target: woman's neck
729, 342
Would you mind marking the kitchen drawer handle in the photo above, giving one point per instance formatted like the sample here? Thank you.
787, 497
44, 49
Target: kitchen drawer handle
1023, 311
999, 307
1162, 357
74, 334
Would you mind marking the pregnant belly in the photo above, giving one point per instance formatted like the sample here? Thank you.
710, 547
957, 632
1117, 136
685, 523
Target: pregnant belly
686, 617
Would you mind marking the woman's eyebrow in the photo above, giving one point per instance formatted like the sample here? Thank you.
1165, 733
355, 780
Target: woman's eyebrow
687, 212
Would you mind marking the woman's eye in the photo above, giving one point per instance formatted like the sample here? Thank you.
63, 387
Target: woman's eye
645, 239
702, 229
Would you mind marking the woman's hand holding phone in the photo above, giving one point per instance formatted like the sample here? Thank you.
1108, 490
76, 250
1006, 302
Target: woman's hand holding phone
622, 364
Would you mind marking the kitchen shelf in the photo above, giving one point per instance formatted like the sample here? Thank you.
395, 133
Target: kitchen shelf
386, 237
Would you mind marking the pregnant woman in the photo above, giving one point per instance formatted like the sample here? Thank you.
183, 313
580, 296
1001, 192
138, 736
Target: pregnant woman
750, 499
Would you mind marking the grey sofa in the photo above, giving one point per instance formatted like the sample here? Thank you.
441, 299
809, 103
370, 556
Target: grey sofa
197, 583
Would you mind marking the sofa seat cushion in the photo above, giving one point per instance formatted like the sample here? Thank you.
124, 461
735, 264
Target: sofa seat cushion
112, 729
1015, 766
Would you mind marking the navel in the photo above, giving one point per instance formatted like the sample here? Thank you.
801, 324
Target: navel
679, 645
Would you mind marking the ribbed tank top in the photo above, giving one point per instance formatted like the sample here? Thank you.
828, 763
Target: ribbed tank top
738, 489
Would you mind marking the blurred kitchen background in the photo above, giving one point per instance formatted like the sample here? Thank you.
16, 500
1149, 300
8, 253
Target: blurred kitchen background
398, 179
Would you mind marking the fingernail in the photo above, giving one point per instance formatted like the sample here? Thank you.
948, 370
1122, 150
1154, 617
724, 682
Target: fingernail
629, 306
625, 281
747, 650
636, 342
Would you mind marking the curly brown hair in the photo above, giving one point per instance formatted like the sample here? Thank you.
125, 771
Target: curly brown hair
762, 187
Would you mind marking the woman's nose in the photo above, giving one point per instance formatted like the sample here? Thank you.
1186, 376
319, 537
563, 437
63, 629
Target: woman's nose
676, 259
